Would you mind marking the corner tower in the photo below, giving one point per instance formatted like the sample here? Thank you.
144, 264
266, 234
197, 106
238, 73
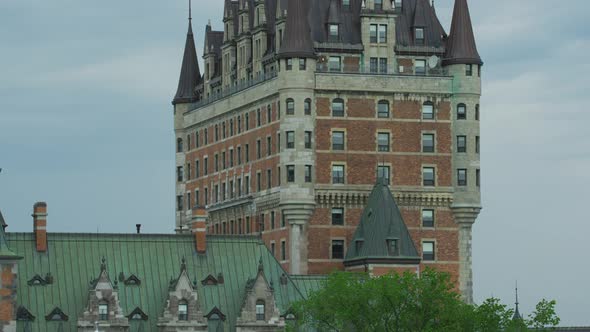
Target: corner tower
296, 92
186, 94
463, 62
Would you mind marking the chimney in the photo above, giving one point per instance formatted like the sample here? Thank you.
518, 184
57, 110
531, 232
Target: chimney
138, 227
199, 229
40, 225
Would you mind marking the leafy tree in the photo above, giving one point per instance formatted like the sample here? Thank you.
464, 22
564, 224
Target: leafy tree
544, 317
407, 303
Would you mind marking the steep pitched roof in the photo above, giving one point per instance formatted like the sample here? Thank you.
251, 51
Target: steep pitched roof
381, 222
297, 40
461, 47
418, 13
156, 259
190, 75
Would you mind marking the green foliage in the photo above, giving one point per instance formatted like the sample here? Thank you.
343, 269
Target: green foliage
406, 303
544, 317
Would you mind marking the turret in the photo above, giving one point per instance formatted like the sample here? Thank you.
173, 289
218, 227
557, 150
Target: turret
190, 74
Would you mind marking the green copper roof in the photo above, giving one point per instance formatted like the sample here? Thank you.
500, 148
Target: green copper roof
381, 224
74, 260
5, 252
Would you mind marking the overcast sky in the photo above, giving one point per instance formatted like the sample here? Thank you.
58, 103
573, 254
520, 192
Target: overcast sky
86, 125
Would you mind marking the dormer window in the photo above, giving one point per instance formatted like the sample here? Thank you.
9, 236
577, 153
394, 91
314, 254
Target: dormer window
378, 4
183, 310
392, 247
334, 33
346, 4
103, 311
260, 310
419, 36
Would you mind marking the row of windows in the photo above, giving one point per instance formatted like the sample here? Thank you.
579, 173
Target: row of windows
245, 226
227, 129
337, 218
428, 249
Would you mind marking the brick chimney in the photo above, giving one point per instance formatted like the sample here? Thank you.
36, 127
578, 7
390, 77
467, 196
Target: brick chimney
40, 225
199, 229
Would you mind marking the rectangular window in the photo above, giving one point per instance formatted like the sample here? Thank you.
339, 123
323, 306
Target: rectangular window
258, 182
335, 64
179, 173
289, 64
247, 184
247, 153
239, 155
258, 150
420, 67
197, 169
179, 203
338, 108
461, 112
216, 160
383, 109
261, 222
268, 146
374, 65
307, 138
428, 251
290, 140
248, 225
427, 142
223, 129
477, 112
188, 201
307, 107
373, 33
223, 163
216, 133
382, 33
468, 70
334, 33
383, 142
239, 124
258, 118
268, 178
247, 121
231, 189
268, 114
272, 249
382, 65
427, 218
338, 174
239, 187
477, 178
290, 106
206, 196
419, 34
338, 216
428, 111
383, 174
197, 198
272, 220
476, 144
428, 176
337, 249
283, 251
206, 136
346, 4
283, 220
216, 194
302, 64
290, 173
188, 171
462, 177
308, 173
338, 140
461, 144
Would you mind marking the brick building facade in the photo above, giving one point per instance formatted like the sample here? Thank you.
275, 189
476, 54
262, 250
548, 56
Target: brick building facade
304, 105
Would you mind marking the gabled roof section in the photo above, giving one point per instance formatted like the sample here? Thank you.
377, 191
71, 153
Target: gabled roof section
297, 41
419, 14
190, 74
461, 47
381, 223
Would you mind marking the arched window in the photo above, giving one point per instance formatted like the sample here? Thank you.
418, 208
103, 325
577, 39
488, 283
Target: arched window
183, 310
290, 106
260, 310
383, 109
179, 147
461, 112
338, 107
428, 111
103, 311
307, 106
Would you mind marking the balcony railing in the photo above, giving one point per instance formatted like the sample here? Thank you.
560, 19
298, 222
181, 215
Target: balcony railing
240, 86
388, 71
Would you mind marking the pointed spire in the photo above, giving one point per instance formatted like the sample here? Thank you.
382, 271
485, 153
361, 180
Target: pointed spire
190, 74
297, 42
517, 314
461, 47
5, 252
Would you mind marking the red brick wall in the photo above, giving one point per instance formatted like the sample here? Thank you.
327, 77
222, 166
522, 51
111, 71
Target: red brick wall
7, 294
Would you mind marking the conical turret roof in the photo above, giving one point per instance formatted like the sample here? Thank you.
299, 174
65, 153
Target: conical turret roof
190, 74
461, 47
381, 224
297, 42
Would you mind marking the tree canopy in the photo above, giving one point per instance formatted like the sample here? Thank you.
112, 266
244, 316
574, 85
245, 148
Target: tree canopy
407, 303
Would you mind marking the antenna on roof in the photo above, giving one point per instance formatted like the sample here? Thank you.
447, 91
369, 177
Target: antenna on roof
190, 10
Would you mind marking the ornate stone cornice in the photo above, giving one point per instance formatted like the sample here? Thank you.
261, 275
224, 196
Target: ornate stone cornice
403, 198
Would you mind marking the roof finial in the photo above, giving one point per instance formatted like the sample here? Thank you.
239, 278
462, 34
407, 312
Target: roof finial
190, 10
516, 311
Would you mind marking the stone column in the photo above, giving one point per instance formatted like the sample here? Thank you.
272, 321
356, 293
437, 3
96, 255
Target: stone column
465, 218
297, 216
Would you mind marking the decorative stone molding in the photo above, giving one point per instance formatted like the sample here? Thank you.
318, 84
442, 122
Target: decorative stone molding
404, 198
